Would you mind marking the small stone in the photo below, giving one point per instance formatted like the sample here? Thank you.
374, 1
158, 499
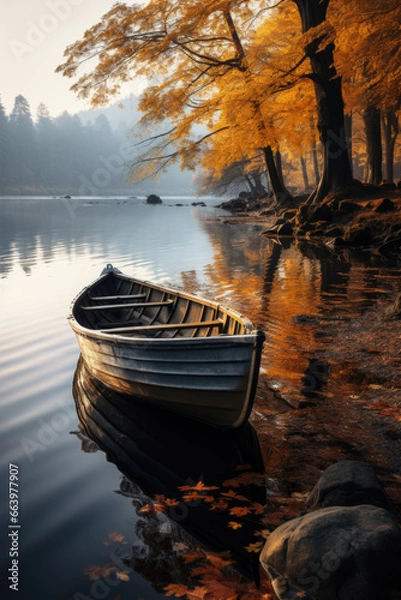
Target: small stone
385, 205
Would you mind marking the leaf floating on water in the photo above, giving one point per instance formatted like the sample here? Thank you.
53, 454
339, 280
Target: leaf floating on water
176, 589
234, 525
200, 487
254, 547
258, 508
190, 557
95, 572
116, 537
240, 511
123, 575
198, 593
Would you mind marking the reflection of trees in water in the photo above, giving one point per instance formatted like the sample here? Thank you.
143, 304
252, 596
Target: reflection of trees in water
291, 291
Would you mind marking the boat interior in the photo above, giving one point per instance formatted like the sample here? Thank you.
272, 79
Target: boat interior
117, 304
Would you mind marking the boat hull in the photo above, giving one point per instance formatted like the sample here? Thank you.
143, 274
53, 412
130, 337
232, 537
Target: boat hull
212, 379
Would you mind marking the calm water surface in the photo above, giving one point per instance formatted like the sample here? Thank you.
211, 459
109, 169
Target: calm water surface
80, 516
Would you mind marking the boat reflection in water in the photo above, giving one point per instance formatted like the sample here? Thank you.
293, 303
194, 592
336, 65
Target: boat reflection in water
160, 453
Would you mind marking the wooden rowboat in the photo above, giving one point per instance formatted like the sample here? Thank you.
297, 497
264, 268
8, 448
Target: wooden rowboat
169, 348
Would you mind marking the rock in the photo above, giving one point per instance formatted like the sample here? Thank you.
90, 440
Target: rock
388, 185
235, 205
392, 243
338, 553
322, 213
153, 199
348, 483
357, 235
349, 207
253, 207
285, 229
384, 206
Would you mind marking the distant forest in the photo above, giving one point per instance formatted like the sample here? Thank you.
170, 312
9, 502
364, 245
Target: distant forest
72, 155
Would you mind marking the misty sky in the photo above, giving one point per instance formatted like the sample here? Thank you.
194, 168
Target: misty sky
33, 36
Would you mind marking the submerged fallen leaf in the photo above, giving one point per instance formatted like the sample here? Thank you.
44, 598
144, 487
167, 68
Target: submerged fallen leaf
255, 547
176, 589
116, 537
240, 511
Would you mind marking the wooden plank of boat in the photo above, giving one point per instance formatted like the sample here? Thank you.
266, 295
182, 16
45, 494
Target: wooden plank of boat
128, 305
165, 326
126, 297
174, 350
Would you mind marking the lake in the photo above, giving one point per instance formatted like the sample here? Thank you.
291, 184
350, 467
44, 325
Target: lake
86, 529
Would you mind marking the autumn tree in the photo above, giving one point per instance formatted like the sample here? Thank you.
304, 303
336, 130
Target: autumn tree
319, 47
195, 54
368, 39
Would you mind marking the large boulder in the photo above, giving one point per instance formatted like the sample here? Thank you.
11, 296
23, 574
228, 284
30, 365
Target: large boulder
336, 553
153, 199
348, 483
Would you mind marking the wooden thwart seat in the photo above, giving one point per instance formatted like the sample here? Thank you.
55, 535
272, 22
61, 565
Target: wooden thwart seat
166, 326
128, 305
120, 297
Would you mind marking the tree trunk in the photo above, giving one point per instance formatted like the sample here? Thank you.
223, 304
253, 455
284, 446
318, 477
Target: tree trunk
259, 189
336, 174
374, 151
348, 137
304, 173
315, 161
280, 192
391, 128
250, 183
